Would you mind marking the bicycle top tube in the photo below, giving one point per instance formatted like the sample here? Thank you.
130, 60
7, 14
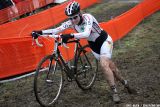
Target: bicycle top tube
71, 41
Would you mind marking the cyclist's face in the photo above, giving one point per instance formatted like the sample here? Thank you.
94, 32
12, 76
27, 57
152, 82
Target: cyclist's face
75, 19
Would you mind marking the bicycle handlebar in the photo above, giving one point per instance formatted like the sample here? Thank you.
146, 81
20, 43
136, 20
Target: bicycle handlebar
56, 37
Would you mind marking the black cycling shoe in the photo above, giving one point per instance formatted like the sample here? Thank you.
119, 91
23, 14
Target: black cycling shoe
128, 88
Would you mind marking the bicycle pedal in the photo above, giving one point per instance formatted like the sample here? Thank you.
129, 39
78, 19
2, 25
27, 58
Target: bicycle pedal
73, 67
49, 81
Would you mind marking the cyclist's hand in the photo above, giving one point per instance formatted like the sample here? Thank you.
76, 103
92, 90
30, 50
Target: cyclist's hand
35, 34
66, 37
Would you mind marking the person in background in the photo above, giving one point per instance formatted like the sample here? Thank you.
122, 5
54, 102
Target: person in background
5, 3
11, 8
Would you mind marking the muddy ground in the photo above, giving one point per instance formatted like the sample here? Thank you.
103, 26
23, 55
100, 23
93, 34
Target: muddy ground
137, 56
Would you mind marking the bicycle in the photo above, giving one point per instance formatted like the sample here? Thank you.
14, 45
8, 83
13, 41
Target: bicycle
49, 76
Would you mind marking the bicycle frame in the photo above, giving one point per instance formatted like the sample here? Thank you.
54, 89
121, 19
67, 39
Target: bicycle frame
81, 71
57, 54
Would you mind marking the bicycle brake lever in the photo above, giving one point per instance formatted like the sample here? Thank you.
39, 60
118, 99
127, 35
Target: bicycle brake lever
37, 42
65, 45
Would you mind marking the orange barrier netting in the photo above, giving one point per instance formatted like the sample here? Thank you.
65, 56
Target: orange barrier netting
19, 56
16, 51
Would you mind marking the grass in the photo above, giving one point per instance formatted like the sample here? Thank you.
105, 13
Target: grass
146, 32
108, 10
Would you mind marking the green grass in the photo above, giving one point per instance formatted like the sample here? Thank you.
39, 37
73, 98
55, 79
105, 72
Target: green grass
106, 11
143, 36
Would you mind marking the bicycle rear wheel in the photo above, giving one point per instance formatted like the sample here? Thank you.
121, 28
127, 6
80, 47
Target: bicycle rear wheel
48, 81
86, 68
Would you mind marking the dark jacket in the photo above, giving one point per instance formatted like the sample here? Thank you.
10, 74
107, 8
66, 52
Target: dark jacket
5, 3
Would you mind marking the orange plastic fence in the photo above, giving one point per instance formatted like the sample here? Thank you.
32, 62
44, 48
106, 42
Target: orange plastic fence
19, 56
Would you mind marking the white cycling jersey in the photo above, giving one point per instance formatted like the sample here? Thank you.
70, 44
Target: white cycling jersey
89, 29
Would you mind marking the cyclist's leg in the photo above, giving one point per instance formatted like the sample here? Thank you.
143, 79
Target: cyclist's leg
105, 60
117, 73
105, 64
119, 77
106, 51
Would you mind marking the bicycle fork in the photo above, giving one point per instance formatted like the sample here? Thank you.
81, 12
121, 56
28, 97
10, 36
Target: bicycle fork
51, 71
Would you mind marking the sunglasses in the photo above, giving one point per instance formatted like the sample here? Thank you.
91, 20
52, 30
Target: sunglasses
75, 17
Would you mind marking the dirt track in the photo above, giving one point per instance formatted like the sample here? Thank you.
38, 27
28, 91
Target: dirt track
137, 56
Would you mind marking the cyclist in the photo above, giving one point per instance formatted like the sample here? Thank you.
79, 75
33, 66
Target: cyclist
99, 41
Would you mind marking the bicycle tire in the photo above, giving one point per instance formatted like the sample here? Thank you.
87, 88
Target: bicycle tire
48, 81
86, 68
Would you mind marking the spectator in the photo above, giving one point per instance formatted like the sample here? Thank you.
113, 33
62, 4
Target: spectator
5, 4
12, 10
36, 5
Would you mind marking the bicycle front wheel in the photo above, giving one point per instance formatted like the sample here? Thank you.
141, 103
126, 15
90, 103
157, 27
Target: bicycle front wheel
48, 81
86, 68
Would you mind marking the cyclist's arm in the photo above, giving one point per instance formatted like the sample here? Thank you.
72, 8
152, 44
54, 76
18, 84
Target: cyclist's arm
87, 30
59, 29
